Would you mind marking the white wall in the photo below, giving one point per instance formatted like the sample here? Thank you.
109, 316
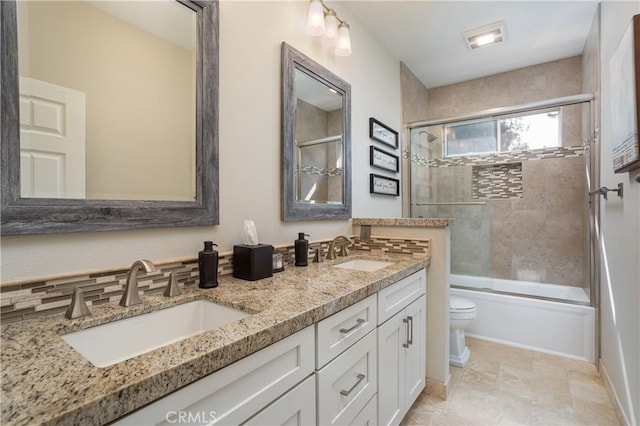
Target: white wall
620, 224
251, 34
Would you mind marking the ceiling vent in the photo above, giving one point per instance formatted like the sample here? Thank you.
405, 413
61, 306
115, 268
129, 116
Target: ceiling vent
485, 35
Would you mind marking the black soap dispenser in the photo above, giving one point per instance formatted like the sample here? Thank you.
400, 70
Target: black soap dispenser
301, 246
208, 266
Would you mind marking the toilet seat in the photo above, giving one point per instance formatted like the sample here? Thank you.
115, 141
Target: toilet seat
461, 305
461, 308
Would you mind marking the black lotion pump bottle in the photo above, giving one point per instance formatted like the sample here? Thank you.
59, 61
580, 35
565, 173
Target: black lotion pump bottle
208, 266
301, 246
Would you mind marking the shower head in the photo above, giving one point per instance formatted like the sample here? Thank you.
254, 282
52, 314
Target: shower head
430, 136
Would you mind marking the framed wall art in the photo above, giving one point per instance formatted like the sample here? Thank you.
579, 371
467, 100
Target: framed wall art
383, 160
383, 133
383, 185
625, 93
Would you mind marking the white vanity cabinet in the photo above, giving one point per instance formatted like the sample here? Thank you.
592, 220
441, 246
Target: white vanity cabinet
364, 365
347, 364
401, 347
235, 393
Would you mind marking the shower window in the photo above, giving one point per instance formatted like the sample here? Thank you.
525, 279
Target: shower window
480, 137
533, 130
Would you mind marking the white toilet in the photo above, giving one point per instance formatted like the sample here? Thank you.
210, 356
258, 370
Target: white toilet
461, 312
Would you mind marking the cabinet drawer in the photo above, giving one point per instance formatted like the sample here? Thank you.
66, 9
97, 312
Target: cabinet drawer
296, 407
396, 297
347, 383
237, 392
339, 331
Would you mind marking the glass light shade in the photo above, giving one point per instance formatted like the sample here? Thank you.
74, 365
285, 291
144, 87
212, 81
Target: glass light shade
331, 24
343, 48
315, 20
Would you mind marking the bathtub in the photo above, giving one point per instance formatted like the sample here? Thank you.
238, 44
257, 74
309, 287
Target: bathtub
566, 329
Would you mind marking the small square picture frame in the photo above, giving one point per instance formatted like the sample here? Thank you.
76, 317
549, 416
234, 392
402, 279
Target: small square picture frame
382, 133
383, 159
384, 185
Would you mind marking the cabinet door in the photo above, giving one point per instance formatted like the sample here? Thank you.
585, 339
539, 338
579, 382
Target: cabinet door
391, 370
296, 407
415, 364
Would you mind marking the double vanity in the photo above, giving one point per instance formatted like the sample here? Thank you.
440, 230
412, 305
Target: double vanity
332, 343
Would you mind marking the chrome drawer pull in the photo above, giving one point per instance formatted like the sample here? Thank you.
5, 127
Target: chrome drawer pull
360, 378
410, 318
348, 330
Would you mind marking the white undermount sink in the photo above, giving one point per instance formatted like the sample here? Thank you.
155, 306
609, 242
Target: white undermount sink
363, 265
117, 341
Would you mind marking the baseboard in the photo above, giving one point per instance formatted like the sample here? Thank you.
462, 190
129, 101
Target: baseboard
613, 396
439, 389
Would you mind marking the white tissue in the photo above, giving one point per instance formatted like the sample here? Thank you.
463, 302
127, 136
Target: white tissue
250, 234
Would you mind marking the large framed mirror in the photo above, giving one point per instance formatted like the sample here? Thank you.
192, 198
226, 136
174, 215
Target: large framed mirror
109, 115
316, 145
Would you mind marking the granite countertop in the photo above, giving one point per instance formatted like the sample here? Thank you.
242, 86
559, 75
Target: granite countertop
44, 380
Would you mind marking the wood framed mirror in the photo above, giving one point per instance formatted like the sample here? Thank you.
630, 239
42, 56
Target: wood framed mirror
48, 193
316, 140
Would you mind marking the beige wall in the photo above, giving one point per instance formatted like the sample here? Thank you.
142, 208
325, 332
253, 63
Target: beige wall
250, 146
530, 84
143, 147
414, 96
414, 108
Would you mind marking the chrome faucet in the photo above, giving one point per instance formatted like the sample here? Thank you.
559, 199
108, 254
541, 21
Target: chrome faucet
340, 241
130, 295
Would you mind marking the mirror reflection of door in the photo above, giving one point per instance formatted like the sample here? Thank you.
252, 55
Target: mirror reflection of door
136, 63
52, 140
319, 142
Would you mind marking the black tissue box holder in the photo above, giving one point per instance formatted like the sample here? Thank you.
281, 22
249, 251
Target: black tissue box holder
253, 262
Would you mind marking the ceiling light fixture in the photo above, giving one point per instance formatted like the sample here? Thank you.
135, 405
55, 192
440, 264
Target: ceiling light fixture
324, 21
485, 35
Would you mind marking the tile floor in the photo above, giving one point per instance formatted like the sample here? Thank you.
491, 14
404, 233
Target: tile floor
503, 385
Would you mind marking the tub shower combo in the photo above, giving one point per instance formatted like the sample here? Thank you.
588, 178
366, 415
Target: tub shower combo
516, 181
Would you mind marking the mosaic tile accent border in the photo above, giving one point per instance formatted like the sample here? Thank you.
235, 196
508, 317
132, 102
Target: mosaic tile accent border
313, 170
490, 159
33, 299
414, 247
500, 181
45, 297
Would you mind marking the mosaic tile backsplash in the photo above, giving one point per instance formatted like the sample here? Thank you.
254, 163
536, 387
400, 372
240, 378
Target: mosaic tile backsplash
51, 296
